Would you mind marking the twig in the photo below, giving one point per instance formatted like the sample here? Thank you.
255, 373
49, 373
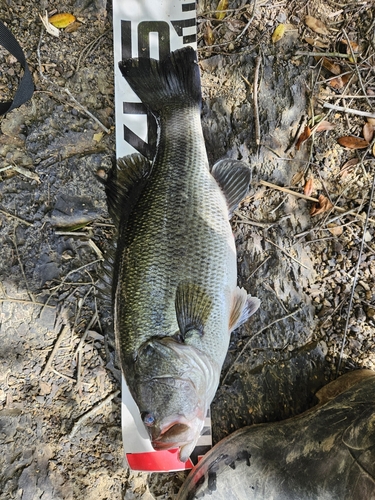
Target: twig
288, 254
348, 110
355, 278
253, 337
55, 349
85, 110
322, 54
91, 412
257, 269
17, 218
255, 100
22, 301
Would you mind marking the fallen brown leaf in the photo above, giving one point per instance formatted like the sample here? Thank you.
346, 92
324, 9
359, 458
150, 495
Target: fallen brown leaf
333, 68
351, 142
303, 137
348, 167
336, 230
73, 27
344, 47
368, 132
308, 187
297, 178
340, 81
322, 126
323, 206
316, 42
371, 121
316, 25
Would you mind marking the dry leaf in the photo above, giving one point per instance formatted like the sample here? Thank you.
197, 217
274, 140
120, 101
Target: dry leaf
62, 20
323, 206
209, 35
223, 5
308, 187
322, 126
98, 137
333, 68
316, 25
73, 27
368, 132
340, 81
316, 43
344, 47
336, 230
351, 142
297, 178
303, 137
278, 33
371, 121
348, 167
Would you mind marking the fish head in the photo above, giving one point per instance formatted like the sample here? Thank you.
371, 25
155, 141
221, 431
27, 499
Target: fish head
176, 385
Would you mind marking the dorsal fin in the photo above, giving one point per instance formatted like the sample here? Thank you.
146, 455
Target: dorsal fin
243, 306
233, 177
193, 306
124, 185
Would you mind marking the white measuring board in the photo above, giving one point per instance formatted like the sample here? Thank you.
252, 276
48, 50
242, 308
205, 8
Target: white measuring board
147, 28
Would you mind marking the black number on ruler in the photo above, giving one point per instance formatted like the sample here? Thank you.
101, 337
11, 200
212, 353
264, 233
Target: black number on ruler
161, 28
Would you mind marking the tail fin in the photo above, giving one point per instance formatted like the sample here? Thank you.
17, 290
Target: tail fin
174, 80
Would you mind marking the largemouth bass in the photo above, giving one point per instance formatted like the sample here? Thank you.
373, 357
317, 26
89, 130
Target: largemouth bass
175, 293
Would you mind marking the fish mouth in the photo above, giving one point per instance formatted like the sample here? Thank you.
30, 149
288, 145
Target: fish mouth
170, 436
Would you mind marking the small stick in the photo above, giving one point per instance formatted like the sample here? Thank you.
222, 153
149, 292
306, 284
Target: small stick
15, 217
55, 349
91, 412
23, 301
253, 337
255, 100
323, 54
348, 110
288, 254
85, 110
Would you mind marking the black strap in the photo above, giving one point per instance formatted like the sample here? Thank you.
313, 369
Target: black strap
26, 87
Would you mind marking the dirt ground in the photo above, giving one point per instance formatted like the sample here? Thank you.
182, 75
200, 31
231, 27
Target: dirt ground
60, 428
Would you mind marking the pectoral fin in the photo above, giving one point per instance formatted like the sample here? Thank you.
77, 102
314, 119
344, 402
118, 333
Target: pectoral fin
243, 306
233, 177
193, 306
124, 185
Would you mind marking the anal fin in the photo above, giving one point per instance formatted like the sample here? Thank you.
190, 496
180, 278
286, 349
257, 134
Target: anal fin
193, 306
243, 306
234, 178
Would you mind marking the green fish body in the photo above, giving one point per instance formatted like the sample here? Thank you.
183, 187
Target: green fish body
176, 298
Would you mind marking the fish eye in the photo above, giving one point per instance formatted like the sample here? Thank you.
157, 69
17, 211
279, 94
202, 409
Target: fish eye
148, 418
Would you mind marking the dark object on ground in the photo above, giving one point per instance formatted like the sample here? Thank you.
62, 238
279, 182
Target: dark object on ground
327, 452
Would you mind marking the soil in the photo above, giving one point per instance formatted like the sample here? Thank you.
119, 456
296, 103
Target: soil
60, 428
